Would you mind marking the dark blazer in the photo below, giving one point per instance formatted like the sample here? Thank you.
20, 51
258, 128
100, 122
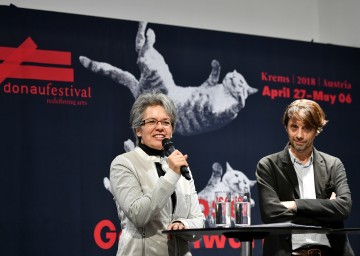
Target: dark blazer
277, 181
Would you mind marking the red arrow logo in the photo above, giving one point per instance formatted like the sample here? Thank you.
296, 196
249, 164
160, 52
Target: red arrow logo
14, 58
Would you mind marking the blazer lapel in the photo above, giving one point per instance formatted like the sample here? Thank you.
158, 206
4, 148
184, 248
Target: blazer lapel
319, 174
290, 171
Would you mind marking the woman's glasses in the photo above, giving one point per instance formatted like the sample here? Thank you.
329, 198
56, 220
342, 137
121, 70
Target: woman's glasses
153, 122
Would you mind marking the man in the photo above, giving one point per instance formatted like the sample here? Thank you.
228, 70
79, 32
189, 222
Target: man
304, 186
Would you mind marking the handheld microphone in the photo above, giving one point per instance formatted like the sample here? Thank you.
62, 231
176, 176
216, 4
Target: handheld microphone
168, 149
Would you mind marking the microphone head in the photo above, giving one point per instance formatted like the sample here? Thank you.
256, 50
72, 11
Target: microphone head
166, 143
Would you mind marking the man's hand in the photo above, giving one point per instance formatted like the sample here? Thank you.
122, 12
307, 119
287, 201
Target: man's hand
291, 205
333, 196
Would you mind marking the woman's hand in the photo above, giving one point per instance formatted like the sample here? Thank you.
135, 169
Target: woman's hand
176, 160
177, 225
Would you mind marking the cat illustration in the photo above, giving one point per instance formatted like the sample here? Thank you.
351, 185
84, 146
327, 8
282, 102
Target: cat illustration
203, 108
232, 180
128, 146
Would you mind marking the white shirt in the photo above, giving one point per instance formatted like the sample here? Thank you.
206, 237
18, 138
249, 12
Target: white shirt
305, 175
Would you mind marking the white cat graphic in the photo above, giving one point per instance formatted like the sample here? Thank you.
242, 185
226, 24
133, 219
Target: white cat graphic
203, 108
232, 180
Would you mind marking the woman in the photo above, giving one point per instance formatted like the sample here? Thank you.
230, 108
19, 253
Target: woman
150, 193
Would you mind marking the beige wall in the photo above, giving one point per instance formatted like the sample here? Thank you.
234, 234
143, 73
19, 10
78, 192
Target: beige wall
325, 21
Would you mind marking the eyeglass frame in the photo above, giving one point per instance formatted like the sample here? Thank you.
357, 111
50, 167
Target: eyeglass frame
146, 122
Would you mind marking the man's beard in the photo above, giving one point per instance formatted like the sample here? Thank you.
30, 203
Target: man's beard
299, 149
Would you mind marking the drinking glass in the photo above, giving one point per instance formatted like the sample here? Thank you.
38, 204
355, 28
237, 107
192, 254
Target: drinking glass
222, 208
242, 209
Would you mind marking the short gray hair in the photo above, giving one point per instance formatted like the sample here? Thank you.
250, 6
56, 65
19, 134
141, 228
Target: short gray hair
151, 99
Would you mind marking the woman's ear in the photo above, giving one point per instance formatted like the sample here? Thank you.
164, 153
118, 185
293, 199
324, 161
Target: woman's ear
138, 132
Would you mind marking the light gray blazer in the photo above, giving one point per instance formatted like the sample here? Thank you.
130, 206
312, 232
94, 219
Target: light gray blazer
144, 205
